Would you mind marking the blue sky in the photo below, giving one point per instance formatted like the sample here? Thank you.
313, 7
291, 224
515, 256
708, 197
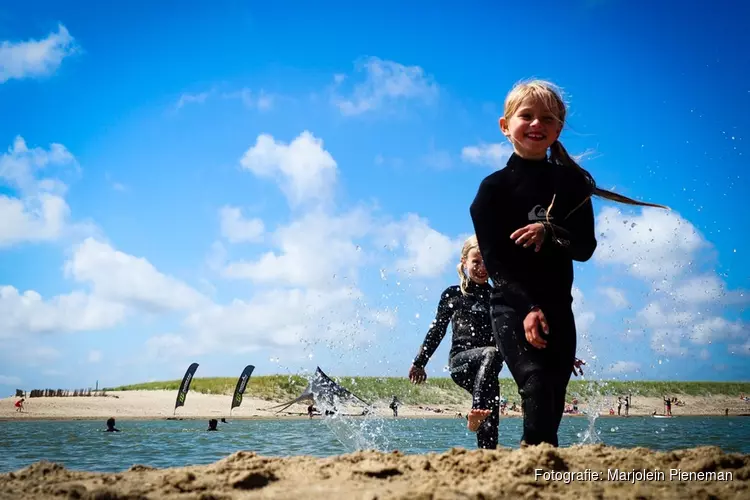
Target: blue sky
288, 186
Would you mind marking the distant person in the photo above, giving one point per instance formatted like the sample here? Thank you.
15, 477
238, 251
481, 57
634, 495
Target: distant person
667, 406
394, 406
111, 425
619, 404
19, 405
224, 420
726, 412
310, 411
212, 425
627, 406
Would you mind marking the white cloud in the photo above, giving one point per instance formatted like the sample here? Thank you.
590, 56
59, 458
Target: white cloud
741, 349
313, 249
488, 155
35, 58
262, 100
39, 212
128, 280
95, 356
622, 367
385, 83
616, 297
654, 245
34, 219
188, 98
663, 250
237, 229
120, 284
304, 170
428, 253
9, 380
28, 313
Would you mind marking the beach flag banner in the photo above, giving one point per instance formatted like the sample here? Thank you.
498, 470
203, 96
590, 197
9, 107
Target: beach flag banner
239, 390
185, 386
323, 391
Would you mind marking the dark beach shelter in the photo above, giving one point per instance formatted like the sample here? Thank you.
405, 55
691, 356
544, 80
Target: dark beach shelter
322, 391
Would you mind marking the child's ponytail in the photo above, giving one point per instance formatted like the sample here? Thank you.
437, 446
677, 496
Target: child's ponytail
560, 156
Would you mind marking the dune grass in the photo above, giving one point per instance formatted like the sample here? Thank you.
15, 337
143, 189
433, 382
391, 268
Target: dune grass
441, 390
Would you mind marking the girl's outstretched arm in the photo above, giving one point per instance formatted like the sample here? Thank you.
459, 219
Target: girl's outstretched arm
438, 327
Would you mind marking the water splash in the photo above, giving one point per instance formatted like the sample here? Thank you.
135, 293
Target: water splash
365, 431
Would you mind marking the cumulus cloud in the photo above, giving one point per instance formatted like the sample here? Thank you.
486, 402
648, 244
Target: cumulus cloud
303, 169
237, 229
128, 280
487, 155
38, 211
119, 284
615, 296
427, 252
687, 305
385, 83
35, 58
312, 250
653, 245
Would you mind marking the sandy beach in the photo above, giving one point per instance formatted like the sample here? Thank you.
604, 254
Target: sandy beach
160, 404
458, 473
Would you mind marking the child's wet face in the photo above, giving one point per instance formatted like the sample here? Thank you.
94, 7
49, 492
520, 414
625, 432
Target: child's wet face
475, 266
532, 129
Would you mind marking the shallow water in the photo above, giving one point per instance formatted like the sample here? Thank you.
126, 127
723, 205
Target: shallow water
82, 445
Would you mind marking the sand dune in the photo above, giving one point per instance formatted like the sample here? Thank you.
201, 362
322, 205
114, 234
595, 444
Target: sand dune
160, 404
374, 475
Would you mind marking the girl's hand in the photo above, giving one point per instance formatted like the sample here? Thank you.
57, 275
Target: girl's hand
577, 366
417, 375
533, 234
533, 325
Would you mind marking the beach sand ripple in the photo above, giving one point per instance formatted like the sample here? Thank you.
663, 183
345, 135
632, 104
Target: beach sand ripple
456, 474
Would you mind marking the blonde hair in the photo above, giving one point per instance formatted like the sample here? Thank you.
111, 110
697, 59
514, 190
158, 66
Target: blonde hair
470, 244
550, 95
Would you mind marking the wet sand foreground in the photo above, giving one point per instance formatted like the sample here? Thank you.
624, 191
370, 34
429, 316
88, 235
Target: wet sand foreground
582, 472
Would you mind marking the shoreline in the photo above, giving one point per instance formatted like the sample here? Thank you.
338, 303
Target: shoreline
127, 418
159, 405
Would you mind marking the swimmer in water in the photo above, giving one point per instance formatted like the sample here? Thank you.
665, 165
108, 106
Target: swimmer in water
474, 359
532, 219
212, 425
111, 425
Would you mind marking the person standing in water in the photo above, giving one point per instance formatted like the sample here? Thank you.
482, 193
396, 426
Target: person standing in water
532, 219
474, 360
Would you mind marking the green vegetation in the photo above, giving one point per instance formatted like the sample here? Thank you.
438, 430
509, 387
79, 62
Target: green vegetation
437, 390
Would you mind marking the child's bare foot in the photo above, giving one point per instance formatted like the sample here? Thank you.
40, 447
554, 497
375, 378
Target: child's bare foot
476, 417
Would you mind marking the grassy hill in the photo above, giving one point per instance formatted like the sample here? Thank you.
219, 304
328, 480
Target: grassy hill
436, 390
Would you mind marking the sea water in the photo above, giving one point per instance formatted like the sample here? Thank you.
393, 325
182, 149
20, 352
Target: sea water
81, 445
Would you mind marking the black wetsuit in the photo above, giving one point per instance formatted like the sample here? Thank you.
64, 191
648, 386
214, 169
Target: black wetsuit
508, 200
474, 360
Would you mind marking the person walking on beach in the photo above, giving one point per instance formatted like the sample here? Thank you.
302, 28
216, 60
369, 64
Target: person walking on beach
532, 219
474, 359
19, 405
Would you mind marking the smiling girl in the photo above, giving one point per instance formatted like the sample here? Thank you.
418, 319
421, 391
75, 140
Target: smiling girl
532, 219
474, 361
